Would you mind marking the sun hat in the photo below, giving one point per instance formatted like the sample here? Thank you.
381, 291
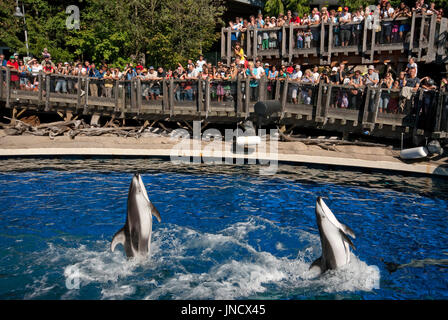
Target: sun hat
297, 66
371, 67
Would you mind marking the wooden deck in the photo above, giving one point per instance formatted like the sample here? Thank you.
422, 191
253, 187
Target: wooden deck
426, 41
321, 111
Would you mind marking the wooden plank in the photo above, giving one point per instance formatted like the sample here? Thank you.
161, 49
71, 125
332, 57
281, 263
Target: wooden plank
372, 45
229, 46
330, 41
116, 95
283, 41
431, 52
47, 92
8, 88
247, 94
366, 106
439, 112
139, 95
420, 42
411, 42
277, 89
239, 95
207, 97
223, 43
171, 94
285, 96
248, 42
364, 42
200, 96
255, 50
291, 43
376, 104
319, 103
1, 82
86, 96
78, 99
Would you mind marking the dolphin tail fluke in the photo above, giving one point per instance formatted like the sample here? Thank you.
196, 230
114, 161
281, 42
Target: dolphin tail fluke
155, 212
119, 237
317, 265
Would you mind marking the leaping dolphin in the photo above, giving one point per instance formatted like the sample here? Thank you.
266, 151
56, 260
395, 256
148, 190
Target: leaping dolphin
135, 236
333, 237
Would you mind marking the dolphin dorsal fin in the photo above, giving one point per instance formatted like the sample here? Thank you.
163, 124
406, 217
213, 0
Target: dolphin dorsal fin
346, 238
119, 237
155, 212
317, 264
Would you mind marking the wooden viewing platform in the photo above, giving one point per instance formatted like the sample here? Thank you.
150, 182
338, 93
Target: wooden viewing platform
317, 106
425, 40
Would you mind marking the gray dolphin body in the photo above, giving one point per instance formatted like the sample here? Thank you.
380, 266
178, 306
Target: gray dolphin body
135, 236
334, 239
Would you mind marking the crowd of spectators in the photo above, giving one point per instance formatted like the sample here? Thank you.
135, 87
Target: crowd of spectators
401, 85
347, 24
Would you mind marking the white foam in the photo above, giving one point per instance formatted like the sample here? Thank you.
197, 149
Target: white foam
188, 264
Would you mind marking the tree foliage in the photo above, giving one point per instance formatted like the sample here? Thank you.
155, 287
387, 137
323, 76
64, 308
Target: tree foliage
115, 31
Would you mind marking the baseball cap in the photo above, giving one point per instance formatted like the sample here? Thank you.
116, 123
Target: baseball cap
334, 69
297, 66
371, 67
346, 8
266, 64
340, 9
151, 67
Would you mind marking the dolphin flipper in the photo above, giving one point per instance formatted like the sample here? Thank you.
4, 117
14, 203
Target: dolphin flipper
119, 237
346, 238
155, 212
317, 264
348, 230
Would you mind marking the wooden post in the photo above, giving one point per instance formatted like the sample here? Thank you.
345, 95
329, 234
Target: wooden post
327, 104
116, 95
1, 82
283, 41
248, 42
165, 96
291, 43
229, 46
239, 95
8, 88
277, 90
47, 92
366, 106
223, 43
41, 84
207, 97
330, 41
246, 101
322, 39
86, 100
439, 111
139, 95
262, 89
255, 50
411, 41
318, 108
171, 94
375, 104
364, 41
78, 100
431, 52
372, 45
200, 96
420, 41
284, 96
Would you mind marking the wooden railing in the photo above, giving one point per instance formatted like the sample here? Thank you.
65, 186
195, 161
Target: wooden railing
337, 107
425, 39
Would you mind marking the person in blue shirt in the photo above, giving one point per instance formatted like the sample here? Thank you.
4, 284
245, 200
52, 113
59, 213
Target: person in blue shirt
94, 76
252, 74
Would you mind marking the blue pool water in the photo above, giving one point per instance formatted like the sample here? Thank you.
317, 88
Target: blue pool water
226, 232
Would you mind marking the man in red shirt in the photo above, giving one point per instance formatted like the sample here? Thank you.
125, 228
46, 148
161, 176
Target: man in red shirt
14, 66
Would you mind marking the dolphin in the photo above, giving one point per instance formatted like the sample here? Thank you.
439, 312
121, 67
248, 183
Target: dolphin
334, 239
135, 236
392, 266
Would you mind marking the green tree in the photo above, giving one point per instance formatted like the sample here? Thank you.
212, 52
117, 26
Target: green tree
274, 7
